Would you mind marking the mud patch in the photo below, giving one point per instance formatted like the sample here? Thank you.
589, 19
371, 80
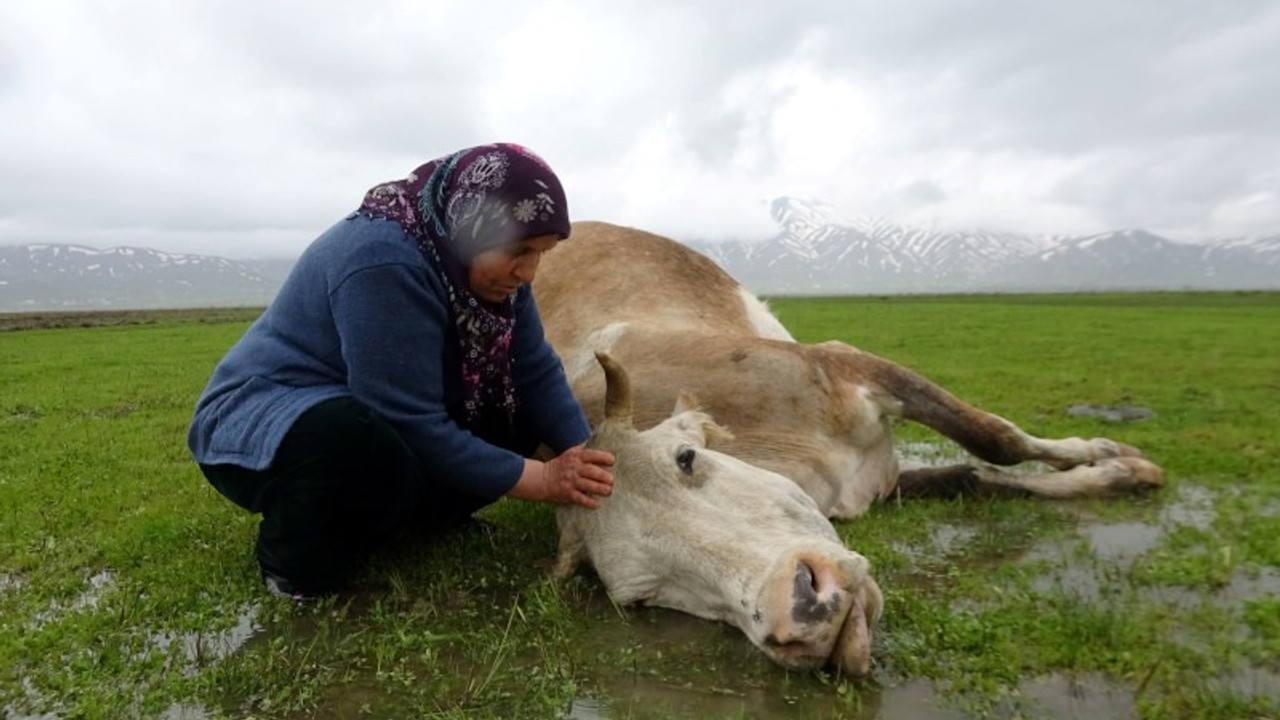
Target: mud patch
1112, 413
21, 413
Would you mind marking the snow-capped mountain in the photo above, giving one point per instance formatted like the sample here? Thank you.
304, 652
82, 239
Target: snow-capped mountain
1126, 260
49, 277
817, 252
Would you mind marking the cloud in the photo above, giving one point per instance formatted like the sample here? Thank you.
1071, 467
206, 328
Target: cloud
232, 126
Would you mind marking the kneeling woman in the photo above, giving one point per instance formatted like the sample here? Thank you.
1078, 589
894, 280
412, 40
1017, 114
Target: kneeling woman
401, 375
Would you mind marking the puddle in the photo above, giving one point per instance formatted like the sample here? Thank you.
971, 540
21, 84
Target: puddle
184, 712
177, 711
199, 649
724, 676
1072, 698
1254, 682
949, 538
944, 452
10, 582
1244, 585
639, 697
1121, 543
100, 584
1112, 413
190, 651
659, 663
1193, 507
30, 693
1057, 696
1115, 547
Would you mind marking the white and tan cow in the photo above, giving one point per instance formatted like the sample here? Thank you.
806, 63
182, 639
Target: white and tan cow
817, 414
700, 531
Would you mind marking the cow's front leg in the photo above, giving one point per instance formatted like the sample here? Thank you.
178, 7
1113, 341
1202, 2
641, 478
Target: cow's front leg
1070, 452
1104, 477
997, 441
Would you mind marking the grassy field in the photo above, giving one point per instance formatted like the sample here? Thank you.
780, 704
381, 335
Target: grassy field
128, 589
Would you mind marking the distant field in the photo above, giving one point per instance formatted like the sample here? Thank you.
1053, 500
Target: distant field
127, 586
68, 319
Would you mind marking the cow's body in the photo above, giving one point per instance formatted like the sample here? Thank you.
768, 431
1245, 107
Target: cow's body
817, 414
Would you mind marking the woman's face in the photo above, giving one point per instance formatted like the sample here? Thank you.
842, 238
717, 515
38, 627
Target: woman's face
496, 274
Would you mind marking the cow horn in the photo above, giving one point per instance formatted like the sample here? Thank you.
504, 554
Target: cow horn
617, 392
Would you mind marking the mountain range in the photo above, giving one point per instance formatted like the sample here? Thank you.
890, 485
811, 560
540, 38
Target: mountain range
67, 277
814, 252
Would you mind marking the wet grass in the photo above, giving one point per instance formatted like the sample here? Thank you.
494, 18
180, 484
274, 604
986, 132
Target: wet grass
127, 587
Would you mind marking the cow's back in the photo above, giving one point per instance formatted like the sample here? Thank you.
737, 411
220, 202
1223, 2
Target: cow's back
607, 274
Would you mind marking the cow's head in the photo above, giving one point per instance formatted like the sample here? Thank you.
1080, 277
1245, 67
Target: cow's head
702, 532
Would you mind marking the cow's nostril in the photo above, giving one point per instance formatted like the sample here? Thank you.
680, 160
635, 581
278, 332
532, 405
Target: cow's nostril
806, 579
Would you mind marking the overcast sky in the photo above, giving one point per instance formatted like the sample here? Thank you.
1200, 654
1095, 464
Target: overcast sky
245, 127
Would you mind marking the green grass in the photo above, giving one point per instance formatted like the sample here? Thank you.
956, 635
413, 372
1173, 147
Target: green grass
127, 585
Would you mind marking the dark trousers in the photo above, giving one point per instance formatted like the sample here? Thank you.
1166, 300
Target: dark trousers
341, 483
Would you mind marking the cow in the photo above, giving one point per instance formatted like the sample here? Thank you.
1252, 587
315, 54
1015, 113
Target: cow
819, 414
700, 531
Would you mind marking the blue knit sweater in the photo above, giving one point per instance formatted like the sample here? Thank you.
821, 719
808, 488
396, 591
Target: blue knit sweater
363, 314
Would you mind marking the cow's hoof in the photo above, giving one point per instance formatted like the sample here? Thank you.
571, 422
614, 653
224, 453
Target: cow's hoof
1138, 475
1113, 449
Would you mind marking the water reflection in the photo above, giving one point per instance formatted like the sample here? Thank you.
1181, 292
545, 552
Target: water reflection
1085, 697
720, 674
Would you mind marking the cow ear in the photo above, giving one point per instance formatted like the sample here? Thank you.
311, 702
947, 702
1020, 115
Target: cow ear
712, 431
685, 402
715, 432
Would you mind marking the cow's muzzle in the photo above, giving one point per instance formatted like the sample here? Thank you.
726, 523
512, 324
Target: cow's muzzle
821, 608
852, 652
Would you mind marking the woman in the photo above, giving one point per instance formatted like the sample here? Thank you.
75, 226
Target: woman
401, 375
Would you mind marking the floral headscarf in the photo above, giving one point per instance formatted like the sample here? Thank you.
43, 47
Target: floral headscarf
457, 207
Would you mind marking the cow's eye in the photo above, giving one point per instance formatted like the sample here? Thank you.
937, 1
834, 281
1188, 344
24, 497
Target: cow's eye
684, 459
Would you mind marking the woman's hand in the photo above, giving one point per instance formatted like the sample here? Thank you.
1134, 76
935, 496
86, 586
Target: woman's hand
578, 475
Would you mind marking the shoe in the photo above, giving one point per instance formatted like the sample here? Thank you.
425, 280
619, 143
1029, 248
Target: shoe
284, 588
